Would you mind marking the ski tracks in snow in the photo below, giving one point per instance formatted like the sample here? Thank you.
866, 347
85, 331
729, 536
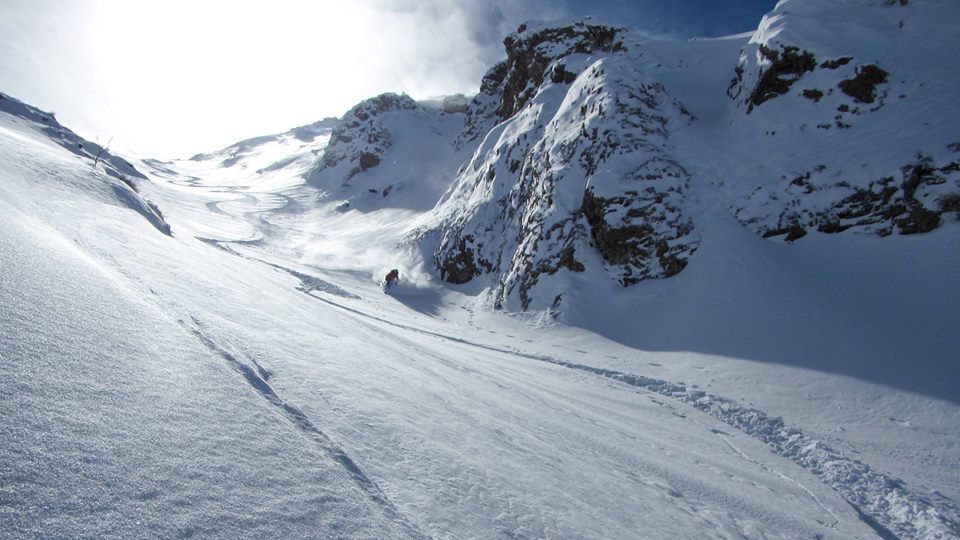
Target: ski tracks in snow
725, 437
257, 377
882, 502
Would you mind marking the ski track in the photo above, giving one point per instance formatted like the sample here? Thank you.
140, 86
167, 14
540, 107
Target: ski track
308, 283
257, 377
883, 503
725, 438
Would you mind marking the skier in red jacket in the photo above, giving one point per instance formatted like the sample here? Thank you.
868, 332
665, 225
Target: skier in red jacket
392, 278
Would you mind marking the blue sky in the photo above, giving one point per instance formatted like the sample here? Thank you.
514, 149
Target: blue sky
172, 78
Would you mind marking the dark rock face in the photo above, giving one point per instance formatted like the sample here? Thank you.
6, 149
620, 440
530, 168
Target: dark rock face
836, 63
916, 203
633, 242
508, 86
368, 161
359, 140
862, 88
529, 56
813, 94
786, 66
950, 203
461, 264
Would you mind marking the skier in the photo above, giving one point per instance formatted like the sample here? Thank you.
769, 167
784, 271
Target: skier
391, 279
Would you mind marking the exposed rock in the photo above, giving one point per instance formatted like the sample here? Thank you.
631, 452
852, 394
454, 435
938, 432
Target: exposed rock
790, 233
834, 64
594, 174
359, 140
508, 86
915, 205
950, 203
786, 67
368, 161
813, 94
460, 265
632, 240
560, 75
862, 88
528, 56
918, 219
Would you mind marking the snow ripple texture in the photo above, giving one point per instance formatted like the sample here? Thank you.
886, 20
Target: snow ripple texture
257, 378
884, 503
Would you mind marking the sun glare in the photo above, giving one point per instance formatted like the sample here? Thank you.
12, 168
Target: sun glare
240, 69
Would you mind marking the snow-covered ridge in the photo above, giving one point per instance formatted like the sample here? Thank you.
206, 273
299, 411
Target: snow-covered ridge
579, 166
46, 122
359, 140
834, 122
121, 176
390, 151
864, 76
236, 152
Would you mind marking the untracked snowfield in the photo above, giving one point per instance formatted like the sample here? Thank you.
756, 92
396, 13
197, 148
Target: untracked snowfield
246, 376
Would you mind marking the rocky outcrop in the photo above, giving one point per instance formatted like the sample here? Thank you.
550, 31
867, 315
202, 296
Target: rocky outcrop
582, 167
835, 90
643, 231
863, 86
532, 54
528, 57
575, 166
774, 71
359, 140
916, 199
781, 68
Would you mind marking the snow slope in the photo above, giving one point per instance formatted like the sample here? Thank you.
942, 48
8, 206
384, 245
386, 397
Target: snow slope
120, 417
253, 393
244, 375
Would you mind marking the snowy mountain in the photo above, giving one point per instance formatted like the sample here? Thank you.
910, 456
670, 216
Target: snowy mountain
859, 84
589, 146
580, 155
649, 289
390, 151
